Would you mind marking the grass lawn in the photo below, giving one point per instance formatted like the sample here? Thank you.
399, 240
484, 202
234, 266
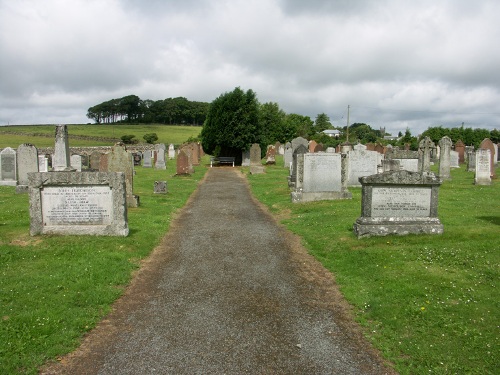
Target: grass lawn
55, 288
429, 302
43, 135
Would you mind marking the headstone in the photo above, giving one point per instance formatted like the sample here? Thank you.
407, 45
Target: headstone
444, 158
425, 149
120, 160
380, 148
76, 162
182, 163
300, 150
160, 187
296, 142
361, 163
454, 159
460, 148
399, 203
312, 145
245, 158
137, 159
171, 151
70, 203
43, 163
389, 165
330, 150
281, 149
256, 166
103, 163
95, 160
288, 156
160, 156
188, 150
61, 158
27, 162
471, 160
345, 147
483, 167
147, 161
359, 147
8, 167
271, 155
320, 177
487, 144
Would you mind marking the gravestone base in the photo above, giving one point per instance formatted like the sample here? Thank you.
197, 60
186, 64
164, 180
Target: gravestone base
22, 189
257, 169
368, 227
8, 183
301, 196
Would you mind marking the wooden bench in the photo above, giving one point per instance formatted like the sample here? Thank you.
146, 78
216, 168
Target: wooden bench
222, 160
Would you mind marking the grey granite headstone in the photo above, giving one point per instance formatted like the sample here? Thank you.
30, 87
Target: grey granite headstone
76, 162
120, 160
319, 177
160, 156
361, 163
426, 148
91, 203
27, 162
483, 167
61, 158
8, 167
147, 159
245, 158
454, 159
444, 158
288, 155
471, 160
160, 187
256, 166
399, 203
299, 150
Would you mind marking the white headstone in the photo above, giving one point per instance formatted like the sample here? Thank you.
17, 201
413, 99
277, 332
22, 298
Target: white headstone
483, 167
361, 163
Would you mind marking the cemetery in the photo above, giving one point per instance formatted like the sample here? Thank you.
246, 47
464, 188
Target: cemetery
375, 221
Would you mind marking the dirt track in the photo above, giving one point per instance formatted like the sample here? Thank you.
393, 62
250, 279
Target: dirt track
228, 292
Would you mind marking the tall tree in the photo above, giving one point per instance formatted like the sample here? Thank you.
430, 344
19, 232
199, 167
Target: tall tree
322, 122
272, 119
232, 124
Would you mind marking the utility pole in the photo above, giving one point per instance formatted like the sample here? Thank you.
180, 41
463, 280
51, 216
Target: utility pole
348, 108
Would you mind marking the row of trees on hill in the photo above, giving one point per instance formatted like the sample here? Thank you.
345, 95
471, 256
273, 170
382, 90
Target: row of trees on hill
469, 136
132, 109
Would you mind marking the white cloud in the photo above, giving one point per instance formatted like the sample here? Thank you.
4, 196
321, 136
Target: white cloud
397, 63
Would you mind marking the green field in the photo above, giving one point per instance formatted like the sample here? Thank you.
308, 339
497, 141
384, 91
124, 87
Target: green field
43, 135
430, 303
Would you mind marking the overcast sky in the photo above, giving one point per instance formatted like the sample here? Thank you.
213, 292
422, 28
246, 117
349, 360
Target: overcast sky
397, 63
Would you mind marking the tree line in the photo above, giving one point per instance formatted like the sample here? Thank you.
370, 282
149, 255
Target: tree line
132, 109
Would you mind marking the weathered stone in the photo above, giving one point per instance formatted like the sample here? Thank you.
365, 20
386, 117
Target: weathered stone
120, 160
182, 163
61, 159
483, 167
256, 166
160, 187
444, 158
8, 167
91, 203
400, 202
27, 162
160, 156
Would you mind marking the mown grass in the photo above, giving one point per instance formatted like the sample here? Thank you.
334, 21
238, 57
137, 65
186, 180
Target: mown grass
428, 302
166, 134
53, 289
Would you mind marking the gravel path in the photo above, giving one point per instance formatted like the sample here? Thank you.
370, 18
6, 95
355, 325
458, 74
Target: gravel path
228, 292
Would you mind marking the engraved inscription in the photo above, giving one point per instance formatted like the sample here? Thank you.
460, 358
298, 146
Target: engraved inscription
401, 202
82, 205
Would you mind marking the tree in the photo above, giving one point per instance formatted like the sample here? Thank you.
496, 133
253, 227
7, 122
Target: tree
301, 126
322, 122
271, 121
232, 124
150, 137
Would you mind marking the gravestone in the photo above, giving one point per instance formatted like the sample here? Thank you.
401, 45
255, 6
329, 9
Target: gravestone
70, 203
460, 148
103, 163
471, 160
43, 163
312, 145
288, 156
359, 147
120, 160
137, 159
388, 165
245, 158
182, 163
300, 150
320, 177
399, 203
61, 158
454, 159
76, 162
281, 149
95, 160
160, 187
487, 144
147, 161
426, 148
8, 167
160, 156
171, 151
27, 162
188, 150
409, 160
256, 166
444, 158
361, 163
483, 167
271, 155
319, 148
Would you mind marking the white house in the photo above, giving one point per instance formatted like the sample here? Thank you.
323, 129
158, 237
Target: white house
332, 132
